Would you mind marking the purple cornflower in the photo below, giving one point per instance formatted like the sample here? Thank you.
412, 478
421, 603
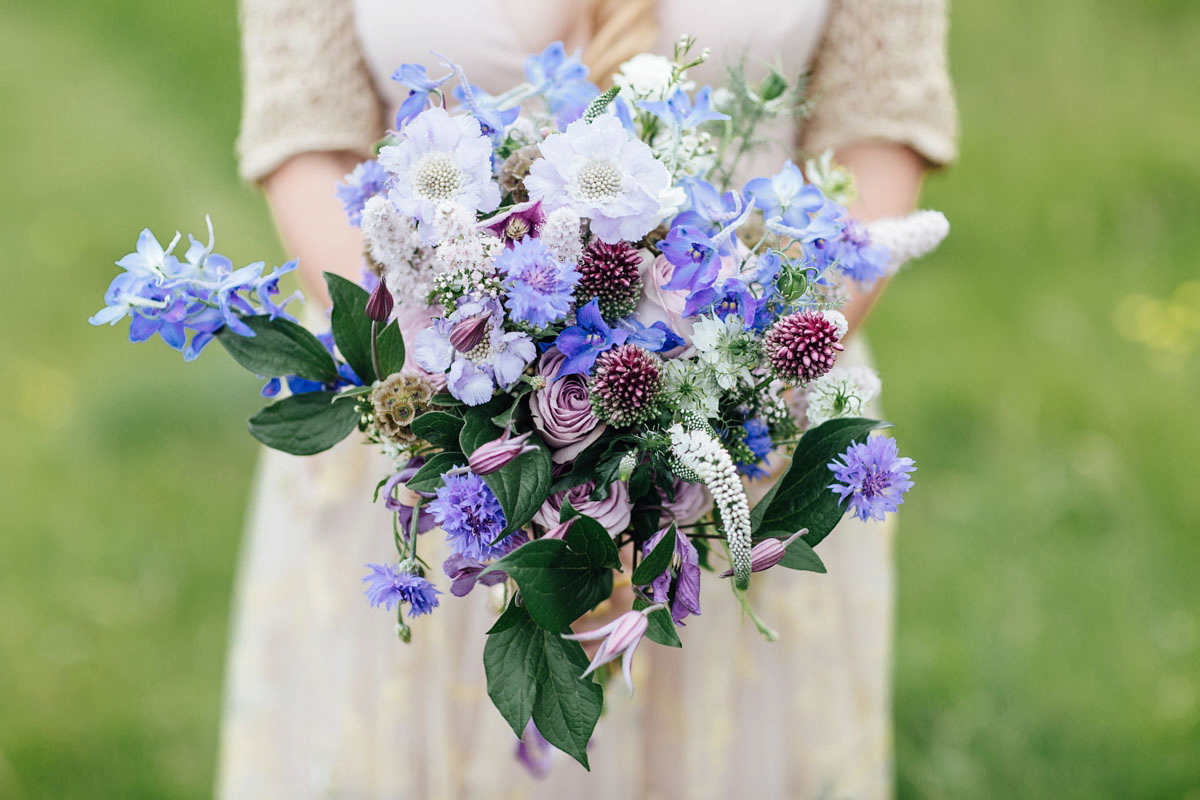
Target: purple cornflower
471, 517
583, 342
873, 476
539, 286
357, 187
389, 587
683, 576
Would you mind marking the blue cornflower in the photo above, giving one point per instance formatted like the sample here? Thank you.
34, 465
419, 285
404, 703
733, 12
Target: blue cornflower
657, 338
420, 86
390, 587
693, 253
873, 477
583, 342
539, 286
471, 516
367, 180
681, 112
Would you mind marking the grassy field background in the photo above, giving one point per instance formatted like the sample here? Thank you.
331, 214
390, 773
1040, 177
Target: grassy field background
1042, 369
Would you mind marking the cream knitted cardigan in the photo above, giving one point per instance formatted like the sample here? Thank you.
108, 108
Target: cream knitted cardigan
880, 74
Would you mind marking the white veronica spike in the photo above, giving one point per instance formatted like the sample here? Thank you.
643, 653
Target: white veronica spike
910, 236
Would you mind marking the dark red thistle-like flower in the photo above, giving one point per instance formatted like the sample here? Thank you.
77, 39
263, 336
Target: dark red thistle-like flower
610, 272
802, 346
625, 386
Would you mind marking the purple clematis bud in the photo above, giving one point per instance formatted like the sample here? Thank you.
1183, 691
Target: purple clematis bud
379, 304
768, 552
621, 638
559, 531
499, 453
534, 752
465, 572
466, 335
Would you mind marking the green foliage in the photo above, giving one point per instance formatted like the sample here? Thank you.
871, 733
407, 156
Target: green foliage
429, 477
801, 498
521, 485
304, 424
660, 628
534, 672
439, 428
799, 555
562, 579
279, 347
657, 560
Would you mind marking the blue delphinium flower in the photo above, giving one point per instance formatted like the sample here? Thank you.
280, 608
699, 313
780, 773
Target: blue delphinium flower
390, 587
562, 80
420, 86
657, 338
694, 255
539, 286
366, 180
493, 121
873, 477
786, 195
583, 342
852, 253
680, 112
471, 516
757, 437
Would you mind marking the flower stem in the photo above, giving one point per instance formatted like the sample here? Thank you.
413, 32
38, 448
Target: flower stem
375, 351
768, 634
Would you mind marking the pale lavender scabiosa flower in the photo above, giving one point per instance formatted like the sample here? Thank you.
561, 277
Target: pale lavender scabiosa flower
388, 587
539, 287
440, 158
621, 639
472, 344
357, 187
583, 342
680, 580
873, 476
603, 173
471, 516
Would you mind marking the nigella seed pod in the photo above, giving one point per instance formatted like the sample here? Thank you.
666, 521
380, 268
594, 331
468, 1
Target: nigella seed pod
499, 453
470, 332
379, 304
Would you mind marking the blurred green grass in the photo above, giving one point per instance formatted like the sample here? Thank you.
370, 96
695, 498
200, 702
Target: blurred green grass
1048, 641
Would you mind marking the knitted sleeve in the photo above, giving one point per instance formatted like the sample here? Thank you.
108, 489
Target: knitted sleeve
880, 74
305, 84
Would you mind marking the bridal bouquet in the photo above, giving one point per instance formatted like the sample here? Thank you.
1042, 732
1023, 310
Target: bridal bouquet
576, 338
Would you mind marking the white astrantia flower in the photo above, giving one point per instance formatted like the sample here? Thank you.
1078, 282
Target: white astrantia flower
698, 451
561, 235
910, 236
691, 387
724, 348
841, 392
646, 76
603, 173
439, 158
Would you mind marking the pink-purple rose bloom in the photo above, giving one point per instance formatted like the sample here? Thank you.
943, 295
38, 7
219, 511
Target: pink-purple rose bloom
562, 412
612, 512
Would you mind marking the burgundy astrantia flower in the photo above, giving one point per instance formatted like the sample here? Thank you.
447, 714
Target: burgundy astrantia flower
625, 386
802, 346
610, 272
514, 224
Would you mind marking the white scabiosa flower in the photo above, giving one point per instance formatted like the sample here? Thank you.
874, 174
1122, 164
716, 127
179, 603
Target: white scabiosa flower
700, 453
603, 173
441, 158
909, 237
841, 392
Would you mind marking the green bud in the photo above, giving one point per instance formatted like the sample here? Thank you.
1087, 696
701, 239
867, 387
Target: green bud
772, 86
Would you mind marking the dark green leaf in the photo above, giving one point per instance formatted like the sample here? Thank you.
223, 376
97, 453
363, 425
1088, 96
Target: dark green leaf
351, 325
532, 672
304, 424
801, 498
439, 428
562, 579
447, 400
799, 555
522, 485
512, 615
477, 430
660, 627
279, 348
390, 346
656, 560
429, 476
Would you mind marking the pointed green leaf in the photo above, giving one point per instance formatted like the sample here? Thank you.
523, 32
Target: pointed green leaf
279, 348
304, 424
429, 476
799, 555
351, 325
660, 627
439, 428
390, 345
522, 485
656, 560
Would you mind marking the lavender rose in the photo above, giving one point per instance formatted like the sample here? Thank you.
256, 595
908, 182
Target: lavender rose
692, 502
562, 412
612, 512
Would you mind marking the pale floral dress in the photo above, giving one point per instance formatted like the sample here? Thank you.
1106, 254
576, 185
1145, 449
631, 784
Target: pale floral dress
323, 701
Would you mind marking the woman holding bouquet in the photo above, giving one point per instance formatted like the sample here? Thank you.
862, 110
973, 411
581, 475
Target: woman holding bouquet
321, 701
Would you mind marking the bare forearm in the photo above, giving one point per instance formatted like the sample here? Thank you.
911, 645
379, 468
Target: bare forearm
310, 220
888, 178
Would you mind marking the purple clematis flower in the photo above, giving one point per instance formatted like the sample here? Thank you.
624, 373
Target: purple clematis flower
583, 342
621, 639
465, 572
681, 581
